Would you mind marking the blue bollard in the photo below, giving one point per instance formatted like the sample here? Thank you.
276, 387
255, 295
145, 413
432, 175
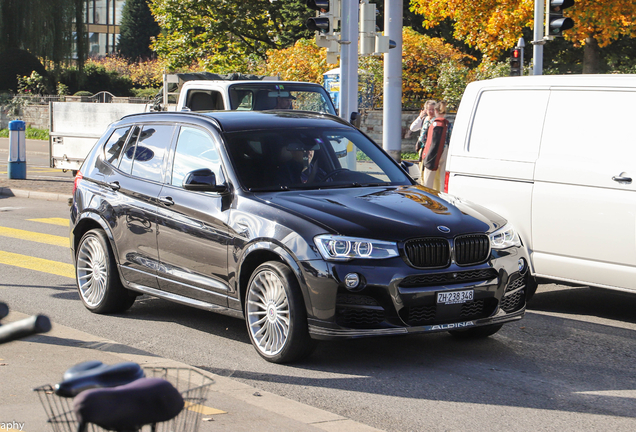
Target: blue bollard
16, 167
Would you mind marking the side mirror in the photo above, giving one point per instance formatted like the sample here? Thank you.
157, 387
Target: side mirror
356, 119
202, 180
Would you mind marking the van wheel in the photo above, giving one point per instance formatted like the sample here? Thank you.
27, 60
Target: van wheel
476, 332
98, 281
275, 314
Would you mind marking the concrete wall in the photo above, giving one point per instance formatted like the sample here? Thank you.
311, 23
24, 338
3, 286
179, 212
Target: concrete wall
372, 126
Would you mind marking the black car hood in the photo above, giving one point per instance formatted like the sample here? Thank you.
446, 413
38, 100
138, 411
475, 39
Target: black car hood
387, 213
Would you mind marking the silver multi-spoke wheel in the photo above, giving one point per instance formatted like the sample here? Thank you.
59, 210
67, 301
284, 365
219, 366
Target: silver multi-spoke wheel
92, 271
98, 281
268, 312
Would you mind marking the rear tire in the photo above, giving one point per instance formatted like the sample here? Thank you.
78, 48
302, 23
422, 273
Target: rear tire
476, 332
97, 277
275, 314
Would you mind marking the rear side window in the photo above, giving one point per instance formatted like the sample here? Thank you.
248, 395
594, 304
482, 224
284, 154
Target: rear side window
507, 124
152, 144
128, 153
115, 144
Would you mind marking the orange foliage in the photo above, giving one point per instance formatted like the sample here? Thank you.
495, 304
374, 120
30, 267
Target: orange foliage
495, 25
147, 73
303, 61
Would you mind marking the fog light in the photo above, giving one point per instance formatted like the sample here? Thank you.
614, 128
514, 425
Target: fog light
352, 280
523, 266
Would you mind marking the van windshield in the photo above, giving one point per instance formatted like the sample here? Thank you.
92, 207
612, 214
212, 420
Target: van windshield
261, 96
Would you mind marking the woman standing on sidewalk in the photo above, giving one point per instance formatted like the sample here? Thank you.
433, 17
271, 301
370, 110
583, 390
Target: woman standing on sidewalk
422, 123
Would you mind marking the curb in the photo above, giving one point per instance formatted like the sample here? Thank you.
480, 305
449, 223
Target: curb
20, 193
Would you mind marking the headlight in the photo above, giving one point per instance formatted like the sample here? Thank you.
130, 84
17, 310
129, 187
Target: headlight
504, 237
339, 248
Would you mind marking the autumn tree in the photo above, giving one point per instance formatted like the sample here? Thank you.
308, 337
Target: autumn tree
422, 61
226, 35
495, 25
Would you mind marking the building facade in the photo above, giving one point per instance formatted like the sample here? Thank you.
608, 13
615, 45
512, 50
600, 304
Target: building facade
102, 20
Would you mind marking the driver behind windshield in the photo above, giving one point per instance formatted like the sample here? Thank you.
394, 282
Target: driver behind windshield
297, 164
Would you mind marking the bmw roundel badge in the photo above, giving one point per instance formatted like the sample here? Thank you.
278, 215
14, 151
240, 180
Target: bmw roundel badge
443, 229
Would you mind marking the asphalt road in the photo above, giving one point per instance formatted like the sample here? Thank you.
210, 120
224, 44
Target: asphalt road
567, 366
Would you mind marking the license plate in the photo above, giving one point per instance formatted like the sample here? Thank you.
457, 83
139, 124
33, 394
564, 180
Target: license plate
455, 297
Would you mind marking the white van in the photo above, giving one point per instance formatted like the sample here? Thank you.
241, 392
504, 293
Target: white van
556, 156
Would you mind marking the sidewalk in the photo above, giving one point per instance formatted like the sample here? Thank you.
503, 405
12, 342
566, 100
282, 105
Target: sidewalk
41, 182
231, 405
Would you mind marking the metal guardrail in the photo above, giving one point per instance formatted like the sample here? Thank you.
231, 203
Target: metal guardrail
101, 97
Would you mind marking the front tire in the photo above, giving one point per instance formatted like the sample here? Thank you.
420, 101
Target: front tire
476, 332
275, 314
98, 281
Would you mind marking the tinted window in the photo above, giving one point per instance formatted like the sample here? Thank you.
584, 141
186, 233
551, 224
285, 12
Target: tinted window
505, 127
151, 147
115, 144
310, 158
195, 150
129, 151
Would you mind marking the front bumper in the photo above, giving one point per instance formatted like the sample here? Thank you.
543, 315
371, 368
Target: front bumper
398, 299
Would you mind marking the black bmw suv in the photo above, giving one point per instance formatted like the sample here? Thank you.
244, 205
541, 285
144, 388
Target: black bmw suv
296, 222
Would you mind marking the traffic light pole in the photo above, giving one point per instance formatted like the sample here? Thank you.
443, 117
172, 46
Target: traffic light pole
349, 59
538, 41
392, 113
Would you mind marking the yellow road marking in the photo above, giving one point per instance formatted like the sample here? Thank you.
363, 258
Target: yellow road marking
33, 236
52, 221
202, 409
37, 264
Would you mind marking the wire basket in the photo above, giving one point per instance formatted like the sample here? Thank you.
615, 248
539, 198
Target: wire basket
192, 385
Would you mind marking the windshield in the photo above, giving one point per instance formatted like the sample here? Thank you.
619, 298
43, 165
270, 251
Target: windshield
261, 96
310, 158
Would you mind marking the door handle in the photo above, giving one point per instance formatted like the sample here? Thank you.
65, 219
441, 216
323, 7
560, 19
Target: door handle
114, 185
622, 178
167, 201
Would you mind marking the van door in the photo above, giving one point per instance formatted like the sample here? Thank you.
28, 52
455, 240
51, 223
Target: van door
584, 206
492, 153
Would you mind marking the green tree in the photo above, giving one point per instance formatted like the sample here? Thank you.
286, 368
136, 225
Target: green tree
226, 35
138, 27
43, 28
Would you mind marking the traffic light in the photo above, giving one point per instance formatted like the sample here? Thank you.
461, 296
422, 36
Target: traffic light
325, 25
516, 68
328, 16
555, 22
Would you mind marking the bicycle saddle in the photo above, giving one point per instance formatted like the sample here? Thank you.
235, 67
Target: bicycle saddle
128, 407
95, 374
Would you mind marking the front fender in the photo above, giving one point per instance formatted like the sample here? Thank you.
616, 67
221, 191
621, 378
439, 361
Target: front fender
268, 249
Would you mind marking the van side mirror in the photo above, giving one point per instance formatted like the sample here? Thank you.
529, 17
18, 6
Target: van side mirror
202, 180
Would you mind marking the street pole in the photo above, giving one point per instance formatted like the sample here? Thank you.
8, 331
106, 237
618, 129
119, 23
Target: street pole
538, 41
392, 113
349, 59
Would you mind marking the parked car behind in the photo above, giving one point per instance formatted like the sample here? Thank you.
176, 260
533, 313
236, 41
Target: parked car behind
253, 214
534, 150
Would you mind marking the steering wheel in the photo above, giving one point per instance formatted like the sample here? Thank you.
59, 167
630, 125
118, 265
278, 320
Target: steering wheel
333, 173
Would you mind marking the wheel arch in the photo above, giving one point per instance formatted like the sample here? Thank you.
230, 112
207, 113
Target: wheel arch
262, 252
87, 222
